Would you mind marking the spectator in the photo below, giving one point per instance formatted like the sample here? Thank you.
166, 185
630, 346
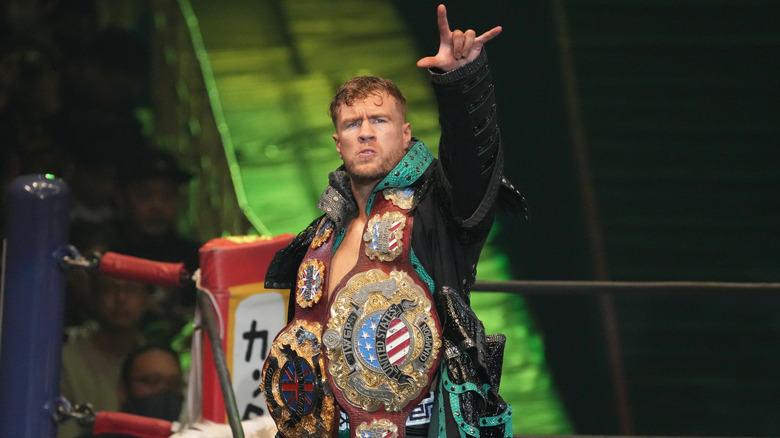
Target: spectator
150, 205
91, 240
152, 384
94, 144
91, 359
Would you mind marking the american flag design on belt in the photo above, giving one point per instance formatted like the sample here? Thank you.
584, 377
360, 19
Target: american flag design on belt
377, 429
398, 341
383, 236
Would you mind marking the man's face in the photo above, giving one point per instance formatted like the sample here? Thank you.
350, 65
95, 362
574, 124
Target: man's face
120, 304
153, 205
154, 371
371, 137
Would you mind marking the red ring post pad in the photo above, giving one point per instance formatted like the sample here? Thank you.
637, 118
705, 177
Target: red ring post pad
143, 270
135, 425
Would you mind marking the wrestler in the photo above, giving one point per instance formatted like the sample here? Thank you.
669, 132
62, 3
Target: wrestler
380, 283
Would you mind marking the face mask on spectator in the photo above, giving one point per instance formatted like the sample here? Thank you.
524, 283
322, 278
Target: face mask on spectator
164, 405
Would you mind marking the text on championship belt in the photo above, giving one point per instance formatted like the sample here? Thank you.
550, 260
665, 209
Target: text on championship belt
381, 341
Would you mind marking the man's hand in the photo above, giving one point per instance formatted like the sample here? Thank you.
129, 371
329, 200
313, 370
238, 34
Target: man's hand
456, 48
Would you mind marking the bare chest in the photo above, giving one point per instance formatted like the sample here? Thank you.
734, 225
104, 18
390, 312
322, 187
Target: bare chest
346, 255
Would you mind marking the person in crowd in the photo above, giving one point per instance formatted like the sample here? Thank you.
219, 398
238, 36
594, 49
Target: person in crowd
91, 240
94, 145
92, 357
152, 383
59, 67
150, 206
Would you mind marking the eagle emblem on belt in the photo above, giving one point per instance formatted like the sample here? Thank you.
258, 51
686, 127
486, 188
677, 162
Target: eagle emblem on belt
402, 197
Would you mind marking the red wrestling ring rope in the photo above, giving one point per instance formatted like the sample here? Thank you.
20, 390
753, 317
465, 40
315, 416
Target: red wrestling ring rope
141, 427
143, 270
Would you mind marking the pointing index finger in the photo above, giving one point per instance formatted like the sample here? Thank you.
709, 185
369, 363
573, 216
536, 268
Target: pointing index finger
444, 24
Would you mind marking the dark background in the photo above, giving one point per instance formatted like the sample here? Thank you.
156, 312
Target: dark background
679, 110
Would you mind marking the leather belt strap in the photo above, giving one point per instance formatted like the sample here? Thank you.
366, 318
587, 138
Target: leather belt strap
294, 379
383, 338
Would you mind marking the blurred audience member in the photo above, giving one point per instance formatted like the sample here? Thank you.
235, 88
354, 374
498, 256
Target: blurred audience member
58, 66
91, 240
91, 359
152, 383
95, 145
150, 201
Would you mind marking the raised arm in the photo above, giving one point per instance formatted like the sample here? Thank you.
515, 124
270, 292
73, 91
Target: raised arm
456, 48
470, 151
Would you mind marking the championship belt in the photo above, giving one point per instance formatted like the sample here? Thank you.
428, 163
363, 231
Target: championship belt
296, 391
383, 337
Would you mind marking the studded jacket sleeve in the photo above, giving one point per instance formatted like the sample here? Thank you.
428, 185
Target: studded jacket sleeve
470, 150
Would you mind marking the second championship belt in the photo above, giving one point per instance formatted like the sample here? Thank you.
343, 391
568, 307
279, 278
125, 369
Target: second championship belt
383, 338
294, 380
